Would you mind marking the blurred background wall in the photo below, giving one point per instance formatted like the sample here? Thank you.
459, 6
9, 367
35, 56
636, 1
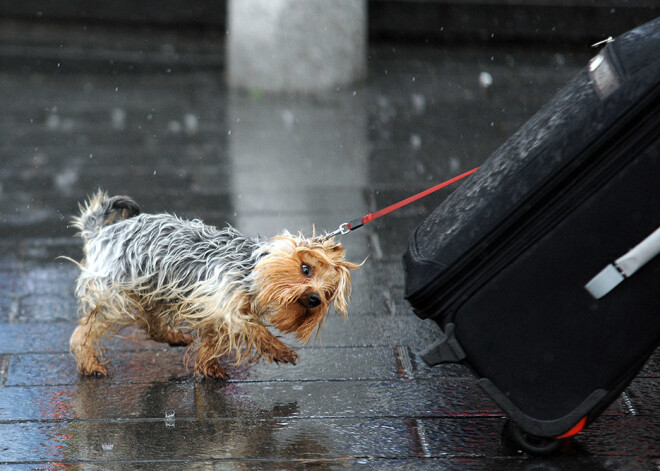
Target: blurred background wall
498, 20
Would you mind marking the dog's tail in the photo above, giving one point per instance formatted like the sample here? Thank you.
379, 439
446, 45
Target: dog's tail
102, 210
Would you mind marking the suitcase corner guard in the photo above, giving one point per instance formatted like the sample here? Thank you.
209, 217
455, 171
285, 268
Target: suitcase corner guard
545, 428
444, 350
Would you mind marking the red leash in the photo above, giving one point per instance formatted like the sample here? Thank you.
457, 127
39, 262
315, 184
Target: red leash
347, 227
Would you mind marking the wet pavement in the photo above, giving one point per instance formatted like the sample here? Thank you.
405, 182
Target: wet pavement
173, 137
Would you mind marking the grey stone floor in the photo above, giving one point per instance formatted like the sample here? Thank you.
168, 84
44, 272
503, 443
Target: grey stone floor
177, 140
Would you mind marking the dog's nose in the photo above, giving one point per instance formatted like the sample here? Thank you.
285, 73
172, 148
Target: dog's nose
314, 300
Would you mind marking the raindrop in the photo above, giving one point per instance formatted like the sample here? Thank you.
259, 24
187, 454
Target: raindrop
289, 119
415, 141
65, 179
118, 118
174, 127
107, 446
485, 80
53, 121
191, 123
419, 103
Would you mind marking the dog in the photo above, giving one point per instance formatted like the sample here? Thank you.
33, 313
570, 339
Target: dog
189, 284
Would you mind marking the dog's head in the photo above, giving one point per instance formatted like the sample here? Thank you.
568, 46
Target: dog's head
298, 279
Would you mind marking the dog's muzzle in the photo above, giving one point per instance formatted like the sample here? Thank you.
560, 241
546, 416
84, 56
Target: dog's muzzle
311, 301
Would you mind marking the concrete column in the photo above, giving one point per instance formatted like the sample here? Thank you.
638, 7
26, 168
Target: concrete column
296, 45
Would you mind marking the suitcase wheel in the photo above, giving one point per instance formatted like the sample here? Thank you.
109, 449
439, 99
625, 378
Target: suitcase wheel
531, 443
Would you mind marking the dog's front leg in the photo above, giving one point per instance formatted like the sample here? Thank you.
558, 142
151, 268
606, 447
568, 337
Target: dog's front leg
212, 346
270, 347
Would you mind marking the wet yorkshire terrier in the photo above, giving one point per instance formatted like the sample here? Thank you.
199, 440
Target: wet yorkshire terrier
186, 283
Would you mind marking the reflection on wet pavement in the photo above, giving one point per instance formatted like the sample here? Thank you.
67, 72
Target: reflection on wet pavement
182, 143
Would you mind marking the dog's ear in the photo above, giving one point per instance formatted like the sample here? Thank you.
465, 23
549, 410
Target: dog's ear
343, 290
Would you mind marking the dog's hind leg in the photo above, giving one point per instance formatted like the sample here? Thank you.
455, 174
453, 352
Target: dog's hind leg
155, 325
174, 337
84, 345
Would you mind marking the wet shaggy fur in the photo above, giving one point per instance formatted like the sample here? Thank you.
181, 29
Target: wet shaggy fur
186, 283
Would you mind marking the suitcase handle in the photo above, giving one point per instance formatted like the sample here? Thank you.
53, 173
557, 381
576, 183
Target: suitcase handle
624, 267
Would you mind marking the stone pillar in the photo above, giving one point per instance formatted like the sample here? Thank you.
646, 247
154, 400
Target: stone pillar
296, 45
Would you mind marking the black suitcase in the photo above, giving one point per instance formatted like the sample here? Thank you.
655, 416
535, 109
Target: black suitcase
505, 265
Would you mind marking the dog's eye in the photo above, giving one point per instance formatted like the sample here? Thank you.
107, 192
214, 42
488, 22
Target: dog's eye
306, 270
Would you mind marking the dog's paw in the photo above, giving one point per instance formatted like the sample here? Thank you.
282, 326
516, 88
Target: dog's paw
213, 371
97, 372
90, 366
287, 356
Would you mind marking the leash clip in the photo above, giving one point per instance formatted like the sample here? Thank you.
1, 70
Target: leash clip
343, 229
